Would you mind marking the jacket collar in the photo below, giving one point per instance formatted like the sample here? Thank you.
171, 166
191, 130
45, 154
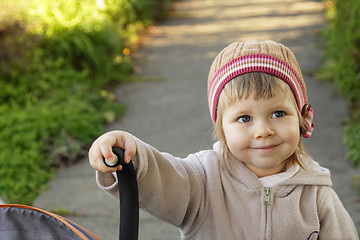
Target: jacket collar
313, 174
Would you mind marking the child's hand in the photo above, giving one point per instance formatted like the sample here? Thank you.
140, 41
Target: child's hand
102, 147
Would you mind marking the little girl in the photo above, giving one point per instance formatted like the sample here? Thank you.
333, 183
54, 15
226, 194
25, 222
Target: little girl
257, 182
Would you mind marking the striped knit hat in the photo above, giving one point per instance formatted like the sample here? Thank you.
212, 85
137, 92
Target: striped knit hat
255, 56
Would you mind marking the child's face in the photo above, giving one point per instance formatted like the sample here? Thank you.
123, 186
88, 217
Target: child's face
262, 133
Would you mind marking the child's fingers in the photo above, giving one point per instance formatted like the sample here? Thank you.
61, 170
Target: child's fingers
95, 158
107, 153
100, 166
100, 149
124, 141
130, 149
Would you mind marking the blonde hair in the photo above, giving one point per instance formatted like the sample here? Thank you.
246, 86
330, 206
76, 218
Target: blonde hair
261, 86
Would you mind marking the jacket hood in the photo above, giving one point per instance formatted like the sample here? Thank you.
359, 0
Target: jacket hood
313, 174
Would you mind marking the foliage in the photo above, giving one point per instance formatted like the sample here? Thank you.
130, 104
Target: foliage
94, 45
90, 44
41, 114
343, 47
342, 64
57, 60
352, 139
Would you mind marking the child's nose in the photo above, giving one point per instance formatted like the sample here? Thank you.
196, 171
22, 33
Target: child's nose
264, 129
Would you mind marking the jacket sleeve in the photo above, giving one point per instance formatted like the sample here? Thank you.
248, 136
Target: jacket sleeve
335, 221
170, 188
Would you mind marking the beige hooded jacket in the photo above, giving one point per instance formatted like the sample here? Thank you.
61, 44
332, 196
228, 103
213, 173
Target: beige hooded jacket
207, 199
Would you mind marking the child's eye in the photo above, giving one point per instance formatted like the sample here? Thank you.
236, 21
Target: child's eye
278, 114
244, 119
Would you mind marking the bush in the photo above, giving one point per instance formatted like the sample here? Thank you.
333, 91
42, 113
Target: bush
57, 61
43, 112
92, 45
352, 140
342, 65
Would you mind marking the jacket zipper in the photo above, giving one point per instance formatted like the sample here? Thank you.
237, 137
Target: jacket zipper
266, 203
267, 196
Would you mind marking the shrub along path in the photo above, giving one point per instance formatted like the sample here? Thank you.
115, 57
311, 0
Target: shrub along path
172, 114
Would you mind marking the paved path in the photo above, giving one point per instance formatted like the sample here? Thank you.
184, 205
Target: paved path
170, 110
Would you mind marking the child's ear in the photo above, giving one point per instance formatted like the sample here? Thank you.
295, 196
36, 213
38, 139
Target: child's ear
308, 115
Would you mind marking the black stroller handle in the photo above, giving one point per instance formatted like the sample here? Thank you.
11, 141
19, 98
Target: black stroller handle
129, 198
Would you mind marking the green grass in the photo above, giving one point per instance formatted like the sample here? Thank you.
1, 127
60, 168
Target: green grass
58, 61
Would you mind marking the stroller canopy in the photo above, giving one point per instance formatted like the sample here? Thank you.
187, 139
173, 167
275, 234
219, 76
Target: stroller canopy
19, 222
